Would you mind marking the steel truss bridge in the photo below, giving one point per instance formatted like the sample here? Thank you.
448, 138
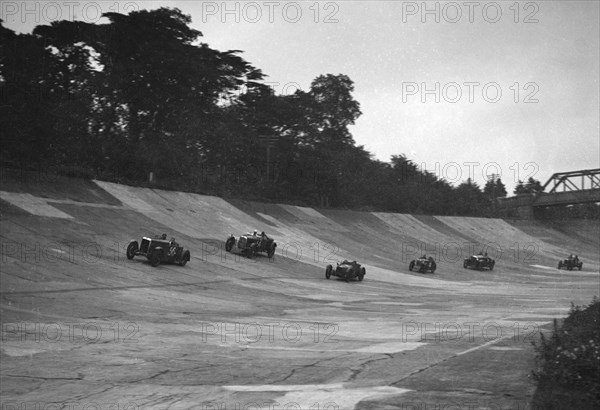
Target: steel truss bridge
563, 188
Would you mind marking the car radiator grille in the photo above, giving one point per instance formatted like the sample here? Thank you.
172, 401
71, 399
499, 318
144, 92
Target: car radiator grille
144, 246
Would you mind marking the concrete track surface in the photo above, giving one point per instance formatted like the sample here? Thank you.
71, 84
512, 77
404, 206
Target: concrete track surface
84, 326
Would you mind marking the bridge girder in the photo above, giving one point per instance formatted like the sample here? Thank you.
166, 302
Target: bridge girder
577, 187
568, 180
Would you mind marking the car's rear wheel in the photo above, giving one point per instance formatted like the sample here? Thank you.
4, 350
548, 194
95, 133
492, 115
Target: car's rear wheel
347, 276
580, 266
465, 264
559, 265
328, 271
492, 266
411, 265
229, 244
362, 274
132, 248
433, 267
271, 252
155, 258
185, 258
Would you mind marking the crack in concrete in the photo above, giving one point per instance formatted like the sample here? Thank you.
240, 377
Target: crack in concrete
356, 372
80, 377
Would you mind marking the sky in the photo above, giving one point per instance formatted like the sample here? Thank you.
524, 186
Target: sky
463, 89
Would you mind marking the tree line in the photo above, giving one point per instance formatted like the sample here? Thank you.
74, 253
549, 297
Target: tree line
142, 94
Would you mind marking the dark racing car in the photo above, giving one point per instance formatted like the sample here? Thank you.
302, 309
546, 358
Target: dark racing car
159, 250
423, 264
479, 262
251, 243
346, 270
572, 262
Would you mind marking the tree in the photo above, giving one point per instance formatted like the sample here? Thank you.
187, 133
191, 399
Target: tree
531, 187
494, 188
331, 109
156, 102
468, 199
27, 125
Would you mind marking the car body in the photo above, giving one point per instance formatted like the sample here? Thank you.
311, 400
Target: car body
479, 262
423, 265
250, 244
159, 250
570, 263
346, 270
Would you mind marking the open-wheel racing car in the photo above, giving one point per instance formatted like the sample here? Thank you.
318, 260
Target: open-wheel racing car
479, 262
570, 263
159, 250
423, 264
251, 243
346, 270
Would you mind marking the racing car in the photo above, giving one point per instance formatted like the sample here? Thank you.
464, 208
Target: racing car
346, 270
159, 250
423, 264
479, 262
570, 263
251, 243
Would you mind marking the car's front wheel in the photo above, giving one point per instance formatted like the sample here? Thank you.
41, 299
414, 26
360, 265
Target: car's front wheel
362, 274
155, 258
132, 248
465, 264
229, 244
328, 271
185, 258
433, 267
411, 265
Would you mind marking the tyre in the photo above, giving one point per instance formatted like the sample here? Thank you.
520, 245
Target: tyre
271, 252
465, 264
559, 265
185, 258
492, 266
433, 267
362, 274
347, 276
328, 271
155, 258
132, 248
411, 265
580, 266
229, 244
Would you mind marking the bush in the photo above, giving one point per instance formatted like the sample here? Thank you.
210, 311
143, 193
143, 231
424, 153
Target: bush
569, 360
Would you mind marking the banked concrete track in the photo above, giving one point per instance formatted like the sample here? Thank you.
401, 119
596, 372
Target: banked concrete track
84, 326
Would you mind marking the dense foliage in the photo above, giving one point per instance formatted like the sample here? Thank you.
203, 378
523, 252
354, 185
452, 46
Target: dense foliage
142, 94
569, 362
